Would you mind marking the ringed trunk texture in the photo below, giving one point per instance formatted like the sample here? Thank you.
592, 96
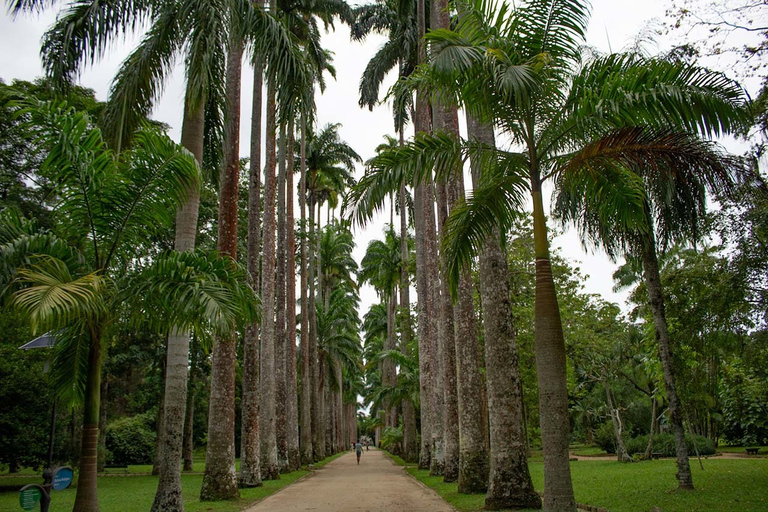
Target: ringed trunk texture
168, 495
280, 339
250, 456
87, 497
268, 435
291, 402
551, 370
654, 413
219, 479
509, 484
656, 300
305, 440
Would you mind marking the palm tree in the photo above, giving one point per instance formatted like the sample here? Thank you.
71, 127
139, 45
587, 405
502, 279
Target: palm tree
521, 72
673, 210
112, 204
83, 32
381, 268
330, 164
509, 483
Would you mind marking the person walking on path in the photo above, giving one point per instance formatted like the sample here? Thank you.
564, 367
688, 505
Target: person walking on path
358, 451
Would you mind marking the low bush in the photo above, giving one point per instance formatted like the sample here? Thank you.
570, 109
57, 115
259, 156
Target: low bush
665, 445
131, 440
605, 438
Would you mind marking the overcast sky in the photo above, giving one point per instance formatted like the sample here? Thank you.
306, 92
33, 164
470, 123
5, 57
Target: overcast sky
614, 24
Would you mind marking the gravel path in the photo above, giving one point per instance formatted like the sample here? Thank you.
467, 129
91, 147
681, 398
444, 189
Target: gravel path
376, 485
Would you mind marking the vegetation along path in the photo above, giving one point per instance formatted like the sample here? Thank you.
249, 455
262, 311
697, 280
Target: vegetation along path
377, 484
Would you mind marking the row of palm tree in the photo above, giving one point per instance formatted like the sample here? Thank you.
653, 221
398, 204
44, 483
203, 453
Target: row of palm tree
624, 140
284, 46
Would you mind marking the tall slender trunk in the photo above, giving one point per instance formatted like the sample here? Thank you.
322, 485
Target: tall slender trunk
654, 414
426, 363
168, 495
621, 450
188, 443
473, 452
410, 435
436, 343
338, 408
550, 367
250, 443
87, 497
656, 300
388, 368
280, 340
268, 437
291, 402
160, 439
318, 428
305, 442
449, 385
509, 482
219, 479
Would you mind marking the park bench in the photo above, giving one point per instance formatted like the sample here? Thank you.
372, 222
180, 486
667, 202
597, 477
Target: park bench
752, 451
656, 455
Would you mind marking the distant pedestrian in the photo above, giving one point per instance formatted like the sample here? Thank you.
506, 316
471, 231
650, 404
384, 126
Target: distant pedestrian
359, 451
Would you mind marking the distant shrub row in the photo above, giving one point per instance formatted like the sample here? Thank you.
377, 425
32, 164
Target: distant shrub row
662, 443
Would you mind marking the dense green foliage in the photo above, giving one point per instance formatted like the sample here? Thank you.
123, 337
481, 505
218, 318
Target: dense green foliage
131, 440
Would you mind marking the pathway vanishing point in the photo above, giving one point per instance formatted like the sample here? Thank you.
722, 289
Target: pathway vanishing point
376, 485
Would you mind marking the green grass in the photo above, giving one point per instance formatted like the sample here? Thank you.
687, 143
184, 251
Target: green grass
128, 493
723, 485
741, 449
588, 451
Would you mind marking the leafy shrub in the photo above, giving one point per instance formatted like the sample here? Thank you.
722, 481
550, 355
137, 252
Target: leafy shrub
131, 440
391, 437
605, 438
665, 445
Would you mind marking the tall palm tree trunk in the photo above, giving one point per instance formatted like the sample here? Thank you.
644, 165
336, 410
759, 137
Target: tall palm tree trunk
318, 429
410, 435
280, 339
87, 497
219, 479
269, 464
168, 494
338, 409
291, 402
250, 457
188, 444
305, 441
450, 397
426, 362
509, 483
656, 300
550, 368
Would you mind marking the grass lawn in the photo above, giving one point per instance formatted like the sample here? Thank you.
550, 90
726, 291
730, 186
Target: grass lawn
135, 493
588, 451
724, 485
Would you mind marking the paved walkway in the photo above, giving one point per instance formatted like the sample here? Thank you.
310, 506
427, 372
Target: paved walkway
376, 485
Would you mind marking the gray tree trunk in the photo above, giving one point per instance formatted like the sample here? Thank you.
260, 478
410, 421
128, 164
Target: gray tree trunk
318, 426
656, 300
305, 441
410, 435
449, 385
219, 479
621, 450
268, 437
250, 456
426, 383
168, 495
280, 340
291, 402
509, 483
